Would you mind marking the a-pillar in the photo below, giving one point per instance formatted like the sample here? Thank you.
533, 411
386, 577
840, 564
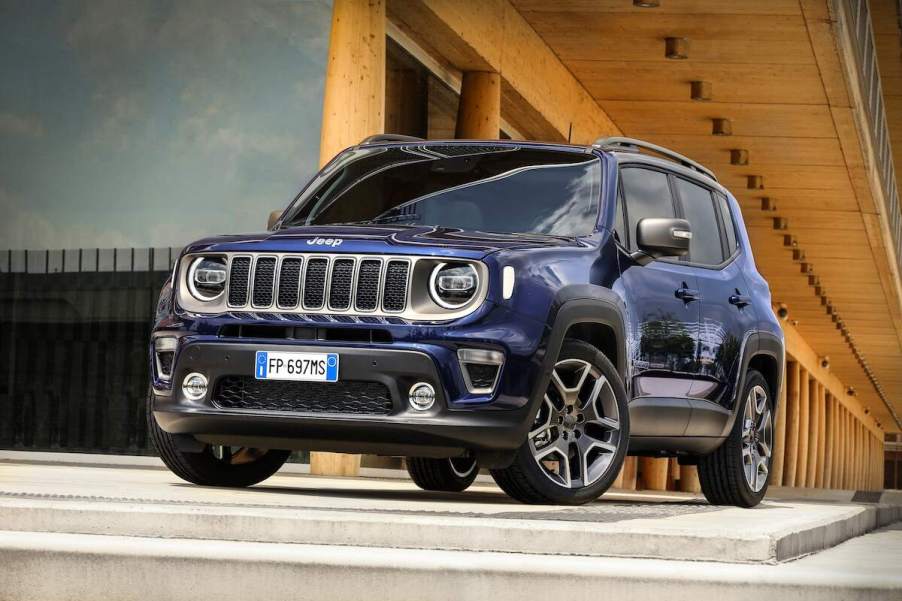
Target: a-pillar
479, 111
353, 108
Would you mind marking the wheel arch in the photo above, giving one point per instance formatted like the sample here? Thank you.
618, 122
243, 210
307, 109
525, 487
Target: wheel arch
765, 353
589, 313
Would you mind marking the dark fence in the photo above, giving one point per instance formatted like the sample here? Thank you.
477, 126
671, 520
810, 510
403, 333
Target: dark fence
74, 333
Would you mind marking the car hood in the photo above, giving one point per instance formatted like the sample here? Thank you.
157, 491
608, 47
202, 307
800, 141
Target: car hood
364, 239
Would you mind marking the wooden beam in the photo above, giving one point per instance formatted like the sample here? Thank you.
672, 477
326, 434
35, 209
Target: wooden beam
353, 108
479, 110
540, 96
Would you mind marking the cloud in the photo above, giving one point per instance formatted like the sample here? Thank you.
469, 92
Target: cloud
23, 228
27, 126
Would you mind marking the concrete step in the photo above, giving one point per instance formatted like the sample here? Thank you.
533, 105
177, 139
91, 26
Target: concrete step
775, 533
52, 567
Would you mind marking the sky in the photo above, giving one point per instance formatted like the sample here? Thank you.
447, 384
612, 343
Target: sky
139, 123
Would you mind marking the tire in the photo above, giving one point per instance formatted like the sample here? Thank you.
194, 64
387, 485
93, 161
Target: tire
448, 475
738, 472
595, 444
214, 466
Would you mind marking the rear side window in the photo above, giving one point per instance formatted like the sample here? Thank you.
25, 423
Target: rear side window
698, 208
729, 225
647, 194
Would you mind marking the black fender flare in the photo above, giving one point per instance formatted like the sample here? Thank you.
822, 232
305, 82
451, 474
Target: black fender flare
573, 305
757, 344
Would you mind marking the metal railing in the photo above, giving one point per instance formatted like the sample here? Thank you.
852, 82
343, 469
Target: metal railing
858, 18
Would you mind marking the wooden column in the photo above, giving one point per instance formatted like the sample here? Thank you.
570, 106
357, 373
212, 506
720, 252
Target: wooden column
629, 472
804, 433
689, 479
791, 455
354, 95
353, 108
479, 111
779, 442
830, 440
819, 472
844, 443
849, 454
653, 473
813, 432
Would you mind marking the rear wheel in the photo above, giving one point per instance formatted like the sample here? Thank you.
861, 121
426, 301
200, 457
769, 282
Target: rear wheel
215, 465
738, 472
450, 475
577, 443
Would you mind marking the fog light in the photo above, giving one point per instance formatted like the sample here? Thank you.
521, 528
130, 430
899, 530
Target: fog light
195, 386
421, 396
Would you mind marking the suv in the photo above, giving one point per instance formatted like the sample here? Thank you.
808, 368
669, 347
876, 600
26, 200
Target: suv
537, 310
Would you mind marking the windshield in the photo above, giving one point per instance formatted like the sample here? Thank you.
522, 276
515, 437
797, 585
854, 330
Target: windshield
480, 188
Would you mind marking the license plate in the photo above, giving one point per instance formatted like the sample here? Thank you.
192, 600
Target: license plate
310, 367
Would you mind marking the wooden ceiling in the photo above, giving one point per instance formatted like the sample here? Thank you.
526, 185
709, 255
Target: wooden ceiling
777, 76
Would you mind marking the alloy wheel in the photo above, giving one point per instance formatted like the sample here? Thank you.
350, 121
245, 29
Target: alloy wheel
577, 430
757, 438
462, 466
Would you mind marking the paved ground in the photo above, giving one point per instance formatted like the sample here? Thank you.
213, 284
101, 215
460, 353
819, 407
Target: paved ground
141, 533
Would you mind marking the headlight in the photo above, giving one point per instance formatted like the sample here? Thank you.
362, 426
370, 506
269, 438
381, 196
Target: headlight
207, 278
453, 285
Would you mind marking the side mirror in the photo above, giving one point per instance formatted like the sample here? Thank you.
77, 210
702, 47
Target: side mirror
273, 218
658, 237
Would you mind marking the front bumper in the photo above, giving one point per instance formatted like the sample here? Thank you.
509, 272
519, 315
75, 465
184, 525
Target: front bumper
447, 429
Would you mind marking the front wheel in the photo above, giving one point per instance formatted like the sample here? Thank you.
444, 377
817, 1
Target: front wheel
214, 465
577, 443
737, 473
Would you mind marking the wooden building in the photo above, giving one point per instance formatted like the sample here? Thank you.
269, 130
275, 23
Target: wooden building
794, 103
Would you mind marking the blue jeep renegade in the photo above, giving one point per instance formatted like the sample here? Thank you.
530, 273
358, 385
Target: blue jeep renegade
537, 310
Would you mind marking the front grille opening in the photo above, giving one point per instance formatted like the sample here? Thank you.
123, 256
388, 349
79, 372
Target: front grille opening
239, 278
264, 279
482, 375
365, 335
164, 364
342, 397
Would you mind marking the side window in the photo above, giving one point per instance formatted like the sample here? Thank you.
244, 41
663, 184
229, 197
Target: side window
698, 207
729, 225
647, 194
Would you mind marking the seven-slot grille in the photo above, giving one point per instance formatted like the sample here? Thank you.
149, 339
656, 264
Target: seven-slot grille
319, 283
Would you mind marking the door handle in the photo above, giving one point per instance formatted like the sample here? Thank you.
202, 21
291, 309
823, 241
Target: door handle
739, 299
686, 294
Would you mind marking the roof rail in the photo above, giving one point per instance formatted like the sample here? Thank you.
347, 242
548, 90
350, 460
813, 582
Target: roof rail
618, 143
380, 138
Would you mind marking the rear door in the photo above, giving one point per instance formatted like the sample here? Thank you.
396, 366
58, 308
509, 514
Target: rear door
726, 311
662, 298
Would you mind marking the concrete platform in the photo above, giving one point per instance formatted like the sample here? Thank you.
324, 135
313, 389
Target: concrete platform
309, 510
